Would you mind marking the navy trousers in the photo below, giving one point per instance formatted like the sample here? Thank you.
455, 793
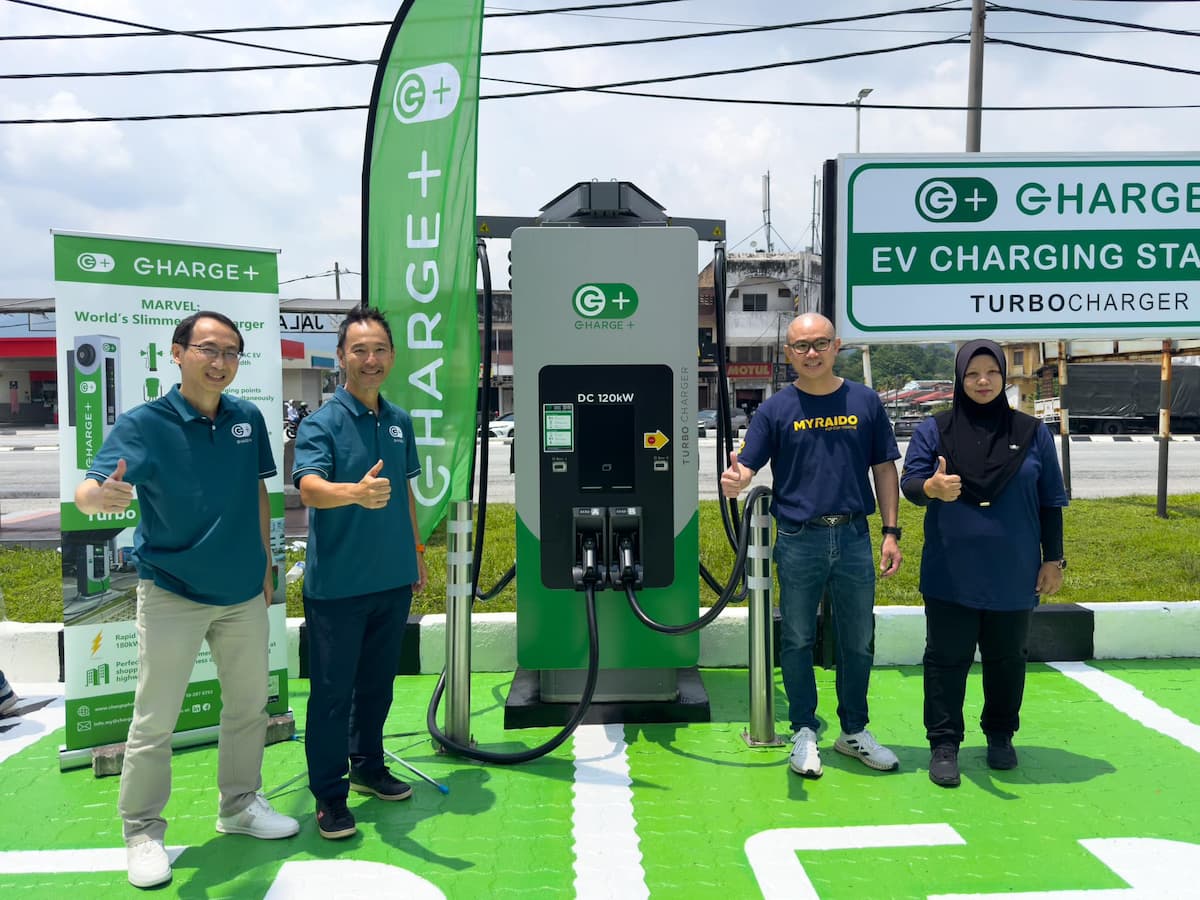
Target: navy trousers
353, 652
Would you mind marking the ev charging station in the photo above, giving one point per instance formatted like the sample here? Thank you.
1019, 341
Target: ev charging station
606, 463
93, 404
604, 315
604, 391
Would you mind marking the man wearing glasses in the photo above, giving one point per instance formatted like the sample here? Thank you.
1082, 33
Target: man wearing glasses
363, 564
198, 457
822, 434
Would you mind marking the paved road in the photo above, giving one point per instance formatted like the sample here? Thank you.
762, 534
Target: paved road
1100, 468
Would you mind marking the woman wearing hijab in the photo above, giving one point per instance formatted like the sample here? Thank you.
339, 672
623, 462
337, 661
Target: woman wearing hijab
989, 479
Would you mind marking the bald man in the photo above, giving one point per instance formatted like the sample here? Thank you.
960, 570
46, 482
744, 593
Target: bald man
822, 435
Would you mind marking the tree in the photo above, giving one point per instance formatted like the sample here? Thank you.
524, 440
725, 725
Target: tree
892, 362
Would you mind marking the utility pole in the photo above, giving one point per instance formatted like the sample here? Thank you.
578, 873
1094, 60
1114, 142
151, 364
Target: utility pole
975, 78
337, 282
766, 199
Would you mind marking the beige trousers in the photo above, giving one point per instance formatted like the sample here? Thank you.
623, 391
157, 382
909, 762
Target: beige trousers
170, 630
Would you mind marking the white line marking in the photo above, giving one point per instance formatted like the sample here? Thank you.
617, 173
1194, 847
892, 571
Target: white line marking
781, 875
349, 879
54, 862
608, 860
1129, 700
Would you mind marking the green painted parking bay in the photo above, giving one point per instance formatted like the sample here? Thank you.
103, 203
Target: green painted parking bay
1105, 804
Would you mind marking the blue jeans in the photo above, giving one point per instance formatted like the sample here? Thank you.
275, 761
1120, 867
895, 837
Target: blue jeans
810, 561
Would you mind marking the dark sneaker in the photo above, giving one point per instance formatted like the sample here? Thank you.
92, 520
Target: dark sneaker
334, 820
382, 783
1000, 752
943, 766
8, 701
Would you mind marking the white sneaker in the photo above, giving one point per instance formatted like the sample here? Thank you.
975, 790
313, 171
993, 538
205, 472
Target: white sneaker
805, 759
863, 746
258, 820
147, 862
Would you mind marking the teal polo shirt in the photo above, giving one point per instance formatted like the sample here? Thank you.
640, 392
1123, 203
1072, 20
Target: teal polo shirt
197, 485
351, 550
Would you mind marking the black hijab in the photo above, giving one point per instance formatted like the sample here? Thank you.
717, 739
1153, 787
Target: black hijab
984, 443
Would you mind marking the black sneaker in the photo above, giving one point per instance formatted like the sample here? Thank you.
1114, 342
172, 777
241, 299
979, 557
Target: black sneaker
943, 766
380, 782
334, 820
1000, 752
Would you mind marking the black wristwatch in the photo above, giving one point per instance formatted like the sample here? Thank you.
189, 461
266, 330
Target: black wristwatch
893, 530
1061, 563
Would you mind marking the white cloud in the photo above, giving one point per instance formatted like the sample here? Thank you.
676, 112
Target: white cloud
293, 182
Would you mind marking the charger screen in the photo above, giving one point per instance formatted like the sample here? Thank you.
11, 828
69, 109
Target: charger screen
604, 435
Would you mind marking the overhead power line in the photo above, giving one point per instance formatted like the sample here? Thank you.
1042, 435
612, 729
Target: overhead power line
736, 101
737, 70
572, 9
155, 28
213, 70
1136, 26
1178, 70
209, 70
728, 32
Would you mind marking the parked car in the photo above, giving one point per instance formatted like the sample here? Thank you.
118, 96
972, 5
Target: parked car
501, 427
906, 425
706, 421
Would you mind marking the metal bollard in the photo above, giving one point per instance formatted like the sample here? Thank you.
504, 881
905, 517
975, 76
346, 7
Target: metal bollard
761, 732
459, 558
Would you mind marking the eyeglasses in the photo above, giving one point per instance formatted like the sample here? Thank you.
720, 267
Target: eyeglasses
211, 353
364, 353
820, 345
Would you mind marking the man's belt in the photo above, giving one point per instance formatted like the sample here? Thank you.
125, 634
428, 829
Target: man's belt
832, 521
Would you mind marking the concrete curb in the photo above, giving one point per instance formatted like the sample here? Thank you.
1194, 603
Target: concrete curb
32, 652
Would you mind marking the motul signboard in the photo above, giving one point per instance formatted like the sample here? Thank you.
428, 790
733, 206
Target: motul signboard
749, 370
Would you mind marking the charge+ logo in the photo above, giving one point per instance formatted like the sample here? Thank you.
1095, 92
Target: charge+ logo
956, 200
95, 262
605, 301
426, 93
396, 432
242, 430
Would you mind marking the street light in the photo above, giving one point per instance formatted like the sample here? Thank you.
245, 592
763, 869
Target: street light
857, 104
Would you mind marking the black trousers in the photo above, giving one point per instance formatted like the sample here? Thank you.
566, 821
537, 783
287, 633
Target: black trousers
951, 635
353, 652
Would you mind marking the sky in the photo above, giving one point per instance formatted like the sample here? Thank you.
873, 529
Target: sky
293, 182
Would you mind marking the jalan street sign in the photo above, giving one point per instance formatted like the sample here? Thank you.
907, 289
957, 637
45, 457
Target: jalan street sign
1019, 247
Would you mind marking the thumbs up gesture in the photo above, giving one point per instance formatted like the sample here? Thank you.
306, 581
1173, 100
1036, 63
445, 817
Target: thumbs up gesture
736, 477
373, 491
941, 486
115, 493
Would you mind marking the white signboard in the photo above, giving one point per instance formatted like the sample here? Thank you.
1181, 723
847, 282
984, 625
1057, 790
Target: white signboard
1018, 247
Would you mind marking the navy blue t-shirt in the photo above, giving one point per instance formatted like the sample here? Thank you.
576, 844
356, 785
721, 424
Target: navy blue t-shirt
821, 449
351, 550
986, 557
197, 484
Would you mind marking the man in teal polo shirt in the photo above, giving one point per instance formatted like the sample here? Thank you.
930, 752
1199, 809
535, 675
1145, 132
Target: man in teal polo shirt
198, 457
363, 564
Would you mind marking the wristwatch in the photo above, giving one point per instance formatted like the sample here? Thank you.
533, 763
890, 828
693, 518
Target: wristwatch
1061, 563
893, 530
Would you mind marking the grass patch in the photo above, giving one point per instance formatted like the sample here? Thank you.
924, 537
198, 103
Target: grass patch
1118, 549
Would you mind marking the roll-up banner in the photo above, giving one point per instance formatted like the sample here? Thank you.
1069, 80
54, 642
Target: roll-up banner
418, 234
118, 301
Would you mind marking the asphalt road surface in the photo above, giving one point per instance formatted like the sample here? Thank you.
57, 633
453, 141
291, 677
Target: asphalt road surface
1100, 468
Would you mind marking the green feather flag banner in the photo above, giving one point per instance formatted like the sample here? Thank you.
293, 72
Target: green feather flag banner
418, 231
